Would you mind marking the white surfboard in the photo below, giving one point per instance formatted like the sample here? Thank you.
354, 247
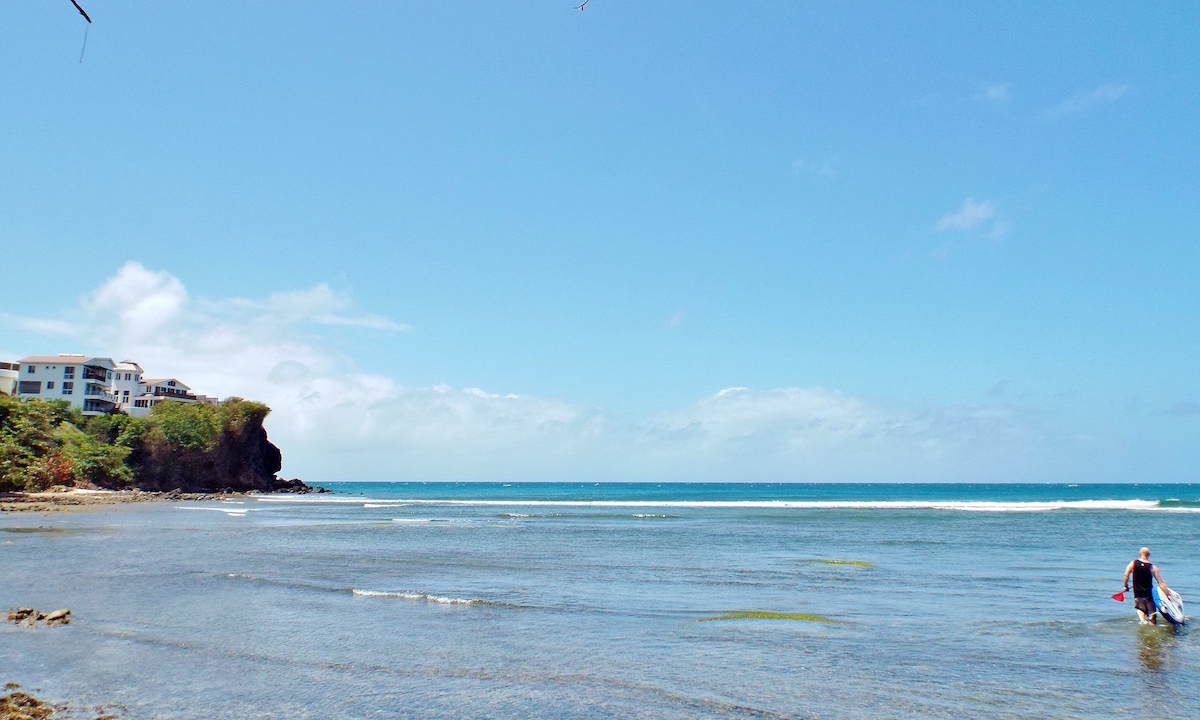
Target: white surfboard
1170, 606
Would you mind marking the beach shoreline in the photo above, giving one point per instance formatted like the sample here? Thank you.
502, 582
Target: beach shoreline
79, 499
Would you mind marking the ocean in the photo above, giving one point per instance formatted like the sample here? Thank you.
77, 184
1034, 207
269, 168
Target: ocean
400, 600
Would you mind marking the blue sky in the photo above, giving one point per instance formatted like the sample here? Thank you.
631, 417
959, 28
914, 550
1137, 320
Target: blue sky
931, 241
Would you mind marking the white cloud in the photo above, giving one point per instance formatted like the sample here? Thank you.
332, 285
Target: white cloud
998, 93
335, 422
1085, 100
40, 326
971, 214
322, 305
814, 434
142, 300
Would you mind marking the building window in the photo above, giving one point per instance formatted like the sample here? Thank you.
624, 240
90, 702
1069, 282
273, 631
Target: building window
50, 385
69, 372
30, 387
68, 388
32, 369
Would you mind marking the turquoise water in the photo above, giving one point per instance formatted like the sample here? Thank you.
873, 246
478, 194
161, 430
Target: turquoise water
534, 600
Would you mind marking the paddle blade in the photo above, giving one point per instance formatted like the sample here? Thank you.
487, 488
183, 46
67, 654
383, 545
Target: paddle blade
1119, 597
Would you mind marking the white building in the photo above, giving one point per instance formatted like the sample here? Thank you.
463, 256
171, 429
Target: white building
152, 391
85, 382
10, 374
96, 385
126, 383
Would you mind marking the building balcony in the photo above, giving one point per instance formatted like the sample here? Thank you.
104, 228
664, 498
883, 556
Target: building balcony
92, 372
98, 391
92, 405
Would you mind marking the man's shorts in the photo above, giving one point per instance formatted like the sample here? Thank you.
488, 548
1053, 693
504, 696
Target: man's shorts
1145, 604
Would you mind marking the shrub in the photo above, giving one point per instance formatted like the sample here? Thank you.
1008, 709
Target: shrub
27, 436
94, 461
187, 425
236, 412
53, 469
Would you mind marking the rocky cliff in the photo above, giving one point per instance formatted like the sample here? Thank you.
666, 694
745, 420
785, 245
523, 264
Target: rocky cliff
189, 447
241, 459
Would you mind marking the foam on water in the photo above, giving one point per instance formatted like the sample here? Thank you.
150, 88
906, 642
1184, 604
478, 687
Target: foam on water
438, 599
230, 511
420, 596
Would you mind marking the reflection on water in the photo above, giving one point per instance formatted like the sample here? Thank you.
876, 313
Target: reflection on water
1154, 647
1163, 653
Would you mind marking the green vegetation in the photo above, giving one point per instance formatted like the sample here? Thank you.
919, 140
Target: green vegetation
851, 563
762, 615
191, 426
46, 443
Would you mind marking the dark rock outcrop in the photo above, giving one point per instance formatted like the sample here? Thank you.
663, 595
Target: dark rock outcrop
296, 485
241, 460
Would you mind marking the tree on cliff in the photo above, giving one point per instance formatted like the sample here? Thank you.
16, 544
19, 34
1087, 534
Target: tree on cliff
180, 446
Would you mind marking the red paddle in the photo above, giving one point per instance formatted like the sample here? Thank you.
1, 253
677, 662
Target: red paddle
1120, 597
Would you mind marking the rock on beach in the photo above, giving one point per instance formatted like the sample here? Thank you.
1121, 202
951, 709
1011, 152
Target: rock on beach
30, 617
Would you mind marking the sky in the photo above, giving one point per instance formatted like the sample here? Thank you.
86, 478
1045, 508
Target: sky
670, 241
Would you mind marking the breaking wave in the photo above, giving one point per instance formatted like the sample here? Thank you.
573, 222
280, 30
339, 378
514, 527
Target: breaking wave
437, 599
422, 597
230, 511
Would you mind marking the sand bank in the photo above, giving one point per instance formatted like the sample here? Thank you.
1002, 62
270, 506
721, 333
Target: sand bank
76, 499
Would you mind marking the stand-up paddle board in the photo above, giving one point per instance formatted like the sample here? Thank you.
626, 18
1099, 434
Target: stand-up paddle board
1170, 606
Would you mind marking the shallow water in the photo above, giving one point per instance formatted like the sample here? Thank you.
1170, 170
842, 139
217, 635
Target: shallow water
414, 600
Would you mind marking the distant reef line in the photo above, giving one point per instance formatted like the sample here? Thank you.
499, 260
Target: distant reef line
179, 448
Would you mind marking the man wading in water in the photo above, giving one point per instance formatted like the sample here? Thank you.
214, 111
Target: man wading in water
1144, 574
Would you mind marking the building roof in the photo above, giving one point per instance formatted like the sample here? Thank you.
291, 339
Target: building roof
63, 360
127, 365
164, 381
